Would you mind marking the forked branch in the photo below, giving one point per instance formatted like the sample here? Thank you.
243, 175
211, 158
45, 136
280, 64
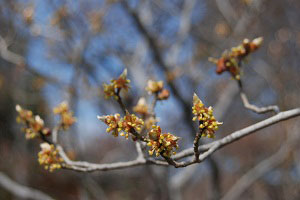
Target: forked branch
252, 107
206, 149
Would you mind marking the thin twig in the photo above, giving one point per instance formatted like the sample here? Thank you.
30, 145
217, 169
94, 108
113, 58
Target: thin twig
139, 150
153, 105
169, 160
125, 111
259, 110
120, 102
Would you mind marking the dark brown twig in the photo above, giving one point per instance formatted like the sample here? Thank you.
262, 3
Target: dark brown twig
120, 102
196, 146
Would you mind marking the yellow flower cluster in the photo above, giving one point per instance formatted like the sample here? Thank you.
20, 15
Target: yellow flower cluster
109, 90
208, 124
34, 124
112, 121
130, 121
230, 60
48, 156
120, 83
162, 143
124, 125
66, 116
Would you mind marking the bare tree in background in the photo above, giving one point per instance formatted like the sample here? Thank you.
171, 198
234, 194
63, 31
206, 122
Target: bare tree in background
55, 51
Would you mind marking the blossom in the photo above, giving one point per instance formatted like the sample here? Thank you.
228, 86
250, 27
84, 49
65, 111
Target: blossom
48, 156
154, 86
231, 60
130, 122
162, 143
112, 121
124, 125
24, 115
150, 121
163, 95
67, 118
34, 124
157, 88
120, 83
207, 122
109, 90
141, 107
61, 108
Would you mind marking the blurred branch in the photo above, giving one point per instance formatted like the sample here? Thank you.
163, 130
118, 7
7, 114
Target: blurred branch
225, 100
20, 190
183, 30
151, 41
8, 55
20, 62
94, 188
264, 166
227, 11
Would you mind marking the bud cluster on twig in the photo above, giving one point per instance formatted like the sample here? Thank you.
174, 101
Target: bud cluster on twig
48, 156
34, 124
162, 143
231, 60
66, 116
124, 125
112, 89
207, 122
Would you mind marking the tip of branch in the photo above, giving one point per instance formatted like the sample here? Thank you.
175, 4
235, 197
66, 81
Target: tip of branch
213, 60
18, 108
258, 41
124, 73
195, 96
102, 118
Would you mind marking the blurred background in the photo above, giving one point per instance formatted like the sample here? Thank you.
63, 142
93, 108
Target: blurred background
51, 51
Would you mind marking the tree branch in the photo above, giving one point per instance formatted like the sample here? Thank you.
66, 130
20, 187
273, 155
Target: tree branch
282, 116
206, 149
20, 61
21, 191
259, 110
